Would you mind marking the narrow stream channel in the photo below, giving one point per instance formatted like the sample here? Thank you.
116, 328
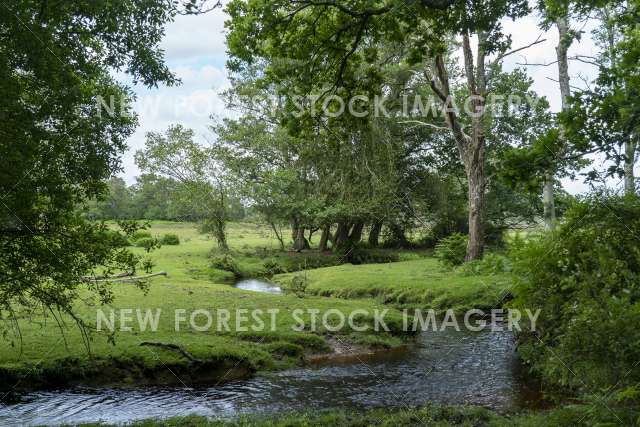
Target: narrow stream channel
453, 367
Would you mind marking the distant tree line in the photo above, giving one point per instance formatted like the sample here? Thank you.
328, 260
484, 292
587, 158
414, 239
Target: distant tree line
151, 197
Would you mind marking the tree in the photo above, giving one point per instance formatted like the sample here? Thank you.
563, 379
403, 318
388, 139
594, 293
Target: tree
58, 148
176, 155
323, 41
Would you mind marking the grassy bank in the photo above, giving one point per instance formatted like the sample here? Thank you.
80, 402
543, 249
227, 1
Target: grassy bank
420, 283
254, 251
432, 415
46, 354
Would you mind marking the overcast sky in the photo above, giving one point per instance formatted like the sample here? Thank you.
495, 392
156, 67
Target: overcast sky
195, 50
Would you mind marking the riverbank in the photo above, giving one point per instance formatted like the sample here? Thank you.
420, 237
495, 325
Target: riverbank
432, 415
47, 353
420, 283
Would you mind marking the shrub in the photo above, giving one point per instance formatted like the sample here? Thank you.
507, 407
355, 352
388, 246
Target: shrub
298, 284
360, 255
585, 279
271, 267
148, 243
491, 263
170, 239
117, 239
141, 234
226, 262
451, 250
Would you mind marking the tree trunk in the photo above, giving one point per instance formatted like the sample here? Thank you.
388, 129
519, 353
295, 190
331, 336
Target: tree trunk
564, 41
342, 235
300, 243
294, 230
278, 234
324, 238
629, 161
219, 222
470, 147
356, 233
220, 234
548, 202
475, 178
374, 234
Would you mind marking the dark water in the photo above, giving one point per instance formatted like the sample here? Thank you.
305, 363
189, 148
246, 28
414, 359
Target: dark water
450, 367
258, 286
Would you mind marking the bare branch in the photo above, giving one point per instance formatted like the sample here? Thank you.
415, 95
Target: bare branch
421, 123
511, 52
556, 80
536, 64
585, 59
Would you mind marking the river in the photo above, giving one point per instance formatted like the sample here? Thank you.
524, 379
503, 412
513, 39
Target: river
456, 367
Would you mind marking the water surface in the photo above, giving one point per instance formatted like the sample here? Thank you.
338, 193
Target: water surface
257, 285
452, 367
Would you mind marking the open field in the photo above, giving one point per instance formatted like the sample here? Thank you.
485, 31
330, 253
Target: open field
46, 355
50, 355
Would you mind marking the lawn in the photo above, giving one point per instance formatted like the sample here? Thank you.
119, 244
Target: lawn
420, 283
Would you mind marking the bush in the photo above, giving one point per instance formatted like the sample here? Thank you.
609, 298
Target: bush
491, 263
117, 239
360, 255
148, 243
585, 279
141, 234
298, 284
271, 267
170, 239
451, 250
226, 262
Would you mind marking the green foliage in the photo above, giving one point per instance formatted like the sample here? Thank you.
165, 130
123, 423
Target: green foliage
585, 279
226, 262
141, 234
491, 263
148, 243
451, 250
202, 191
271, 267
360, 255
298, 284
117, 239
170, 239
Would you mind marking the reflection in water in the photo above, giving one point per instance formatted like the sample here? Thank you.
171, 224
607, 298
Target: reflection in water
258, 286
450, 367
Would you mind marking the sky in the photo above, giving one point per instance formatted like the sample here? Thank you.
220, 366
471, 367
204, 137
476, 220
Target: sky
195, 51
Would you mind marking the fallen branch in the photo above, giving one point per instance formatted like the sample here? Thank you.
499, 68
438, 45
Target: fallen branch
116, 276
126, 278
173, 347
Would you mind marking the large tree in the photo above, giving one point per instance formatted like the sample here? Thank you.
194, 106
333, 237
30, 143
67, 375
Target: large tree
58, 148
174, 154
327, 47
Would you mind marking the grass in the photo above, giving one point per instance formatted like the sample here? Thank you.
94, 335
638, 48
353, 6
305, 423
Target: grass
432, 415
420, 283
47, 355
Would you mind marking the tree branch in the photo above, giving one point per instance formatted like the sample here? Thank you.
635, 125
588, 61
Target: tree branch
511, 52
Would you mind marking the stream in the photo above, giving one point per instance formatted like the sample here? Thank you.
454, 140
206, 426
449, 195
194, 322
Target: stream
454, 367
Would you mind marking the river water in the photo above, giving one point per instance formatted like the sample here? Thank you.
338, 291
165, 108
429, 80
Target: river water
453, 367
